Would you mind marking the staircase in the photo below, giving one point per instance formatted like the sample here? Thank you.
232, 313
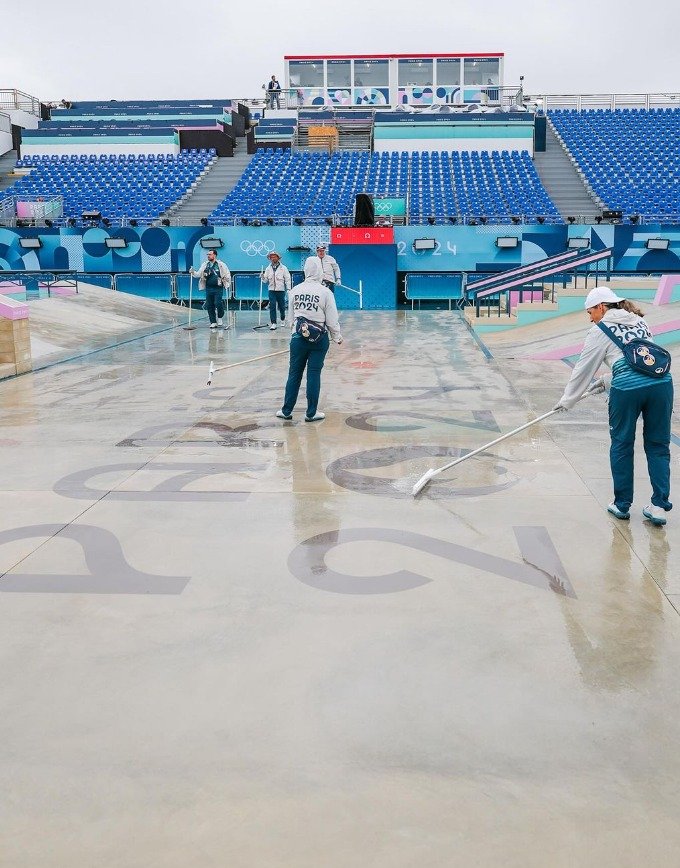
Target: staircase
561, 179
7, 162
220, 179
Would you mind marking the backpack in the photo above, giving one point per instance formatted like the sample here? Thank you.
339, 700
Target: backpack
641, 355
309, 330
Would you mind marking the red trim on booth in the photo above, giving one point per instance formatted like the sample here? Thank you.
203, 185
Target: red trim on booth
368, 235
388, 56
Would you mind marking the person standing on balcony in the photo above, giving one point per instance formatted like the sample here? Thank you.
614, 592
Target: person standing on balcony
274, 92
330, 270
213, 278
277, 278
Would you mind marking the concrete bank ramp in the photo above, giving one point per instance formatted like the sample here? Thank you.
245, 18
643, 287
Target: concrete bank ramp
66, 326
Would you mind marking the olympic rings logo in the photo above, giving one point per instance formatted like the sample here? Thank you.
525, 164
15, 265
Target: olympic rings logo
257, 248
383, 207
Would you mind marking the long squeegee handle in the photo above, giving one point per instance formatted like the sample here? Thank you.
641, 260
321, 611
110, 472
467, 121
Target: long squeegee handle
496, 441
510, 434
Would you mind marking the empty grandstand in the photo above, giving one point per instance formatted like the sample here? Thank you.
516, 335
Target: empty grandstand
119, 188
629, 157
439, 187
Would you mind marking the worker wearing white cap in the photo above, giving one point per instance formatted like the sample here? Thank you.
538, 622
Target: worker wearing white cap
631, 394
330, 270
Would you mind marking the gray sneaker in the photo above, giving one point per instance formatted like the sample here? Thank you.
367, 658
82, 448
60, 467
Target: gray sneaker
317, 417
281, 415
655, 514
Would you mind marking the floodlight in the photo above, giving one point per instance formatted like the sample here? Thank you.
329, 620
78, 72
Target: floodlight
91, 215
211, 243
578, 243
30, 243
115, 243
507, 242
657, 243
424, 244
204, 221
431, 221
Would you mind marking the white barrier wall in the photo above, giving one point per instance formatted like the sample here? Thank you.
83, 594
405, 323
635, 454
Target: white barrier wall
470, 144
452, 135
23, 119
28, 148
5, 142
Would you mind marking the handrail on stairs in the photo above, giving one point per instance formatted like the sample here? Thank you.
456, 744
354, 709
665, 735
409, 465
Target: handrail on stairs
519, 283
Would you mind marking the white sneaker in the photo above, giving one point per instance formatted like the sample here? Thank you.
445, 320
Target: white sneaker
220, 323
281, 415
655, 514
317, 417
272, 327
616, 512
213, 325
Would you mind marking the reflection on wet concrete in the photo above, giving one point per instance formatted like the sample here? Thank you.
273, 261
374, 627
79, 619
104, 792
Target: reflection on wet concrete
179, 434
345, 473
542, 567
484, 421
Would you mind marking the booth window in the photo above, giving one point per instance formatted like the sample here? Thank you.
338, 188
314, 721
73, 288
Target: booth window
415, 73
306, 73
371, 73
482, 71
339, 73
448, 71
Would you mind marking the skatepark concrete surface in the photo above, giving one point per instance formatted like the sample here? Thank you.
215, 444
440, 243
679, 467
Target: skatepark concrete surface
232, 640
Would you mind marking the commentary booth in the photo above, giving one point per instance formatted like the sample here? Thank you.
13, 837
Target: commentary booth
393, 79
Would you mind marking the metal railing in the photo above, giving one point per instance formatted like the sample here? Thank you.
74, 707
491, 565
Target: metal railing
12, 99
534, 281
584, 101
5, 123
36, 280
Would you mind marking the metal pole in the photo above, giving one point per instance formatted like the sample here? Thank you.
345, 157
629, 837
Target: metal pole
361, 295
259, 313
189, 327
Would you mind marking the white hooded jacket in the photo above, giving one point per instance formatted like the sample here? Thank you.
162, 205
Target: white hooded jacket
599, 349
314, 301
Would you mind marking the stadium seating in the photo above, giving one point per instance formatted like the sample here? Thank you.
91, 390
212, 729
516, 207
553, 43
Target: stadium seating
629, 157
279, 185
119, 187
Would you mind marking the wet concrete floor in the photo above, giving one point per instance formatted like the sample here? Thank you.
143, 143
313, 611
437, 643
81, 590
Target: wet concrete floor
228, 640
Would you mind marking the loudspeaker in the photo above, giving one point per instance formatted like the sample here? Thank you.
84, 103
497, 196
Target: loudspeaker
364, 212
612, 215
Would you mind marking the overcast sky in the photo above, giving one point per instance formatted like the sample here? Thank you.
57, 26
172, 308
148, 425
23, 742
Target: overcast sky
228, 48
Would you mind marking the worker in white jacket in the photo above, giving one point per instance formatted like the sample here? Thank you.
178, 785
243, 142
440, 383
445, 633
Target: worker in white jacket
314, 317
631, 394
277, 278
330, 270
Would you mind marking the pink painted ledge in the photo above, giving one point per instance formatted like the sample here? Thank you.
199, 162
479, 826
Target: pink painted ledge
668, 290
12, 309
